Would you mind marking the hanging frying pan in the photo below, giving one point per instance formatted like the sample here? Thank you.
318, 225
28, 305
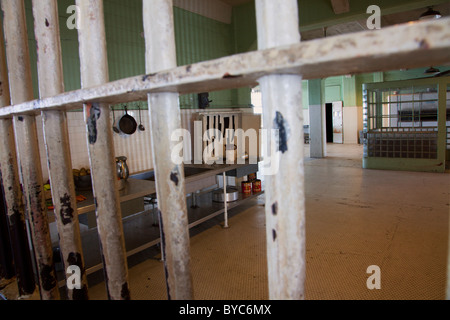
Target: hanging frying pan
127, 124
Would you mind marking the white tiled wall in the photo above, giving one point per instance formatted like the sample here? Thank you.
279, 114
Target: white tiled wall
137, 147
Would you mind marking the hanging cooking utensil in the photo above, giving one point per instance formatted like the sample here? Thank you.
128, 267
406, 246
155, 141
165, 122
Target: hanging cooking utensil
214, 134
115, 129
127, 124
207, 128
141, 126
226, 126
214, 128
219, 124
234, 128
211, 127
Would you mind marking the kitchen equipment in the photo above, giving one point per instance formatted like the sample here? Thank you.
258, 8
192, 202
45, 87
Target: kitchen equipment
122, 171
231, 153
226, 122
231, 195
82, 179
141, 126
246, 187
256, 185
127, 124
234, 127
115, 129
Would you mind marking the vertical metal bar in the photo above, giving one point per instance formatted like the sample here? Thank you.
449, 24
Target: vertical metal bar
15, 210
6, 255
51, 82
165, 119
27, 145
94, 71
285, 198
9, 174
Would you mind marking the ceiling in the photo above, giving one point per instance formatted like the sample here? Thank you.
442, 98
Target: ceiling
360, 25
235, 2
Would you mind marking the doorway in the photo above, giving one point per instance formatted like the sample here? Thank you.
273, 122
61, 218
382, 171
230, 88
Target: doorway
334, 121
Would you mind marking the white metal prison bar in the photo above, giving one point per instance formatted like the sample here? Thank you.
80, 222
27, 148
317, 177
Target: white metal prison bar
94, 72
405, 46
27, 145
285, 192
56, 136
12, 191
165, 118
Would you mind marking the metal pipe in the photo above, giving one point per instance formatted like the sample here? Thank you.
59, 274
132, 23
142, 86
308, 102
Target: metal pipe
225, 211
285, 198
27, 146
170, 182
11, 192
51, 83
15, 211
6, 255
94, 71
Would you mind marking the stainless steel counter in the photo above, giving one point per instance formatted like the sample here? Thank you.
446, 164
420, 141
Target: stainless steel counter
134, 188
139, 185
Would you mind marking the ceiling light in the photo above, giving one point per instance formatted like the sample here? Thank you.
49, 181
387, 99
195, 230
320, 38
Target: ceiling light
430, 14
431, 70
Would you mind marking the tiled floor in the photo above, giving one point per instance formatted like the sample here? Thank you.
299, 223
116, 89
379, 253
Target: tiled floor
355, 218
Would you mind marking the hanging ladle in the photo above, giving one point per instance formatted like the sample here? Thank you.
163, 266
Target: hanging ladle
115, 129
141, 126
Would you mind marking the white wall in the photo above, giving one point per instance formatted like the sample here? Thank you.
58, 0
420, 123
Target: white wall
137, 147
353, 123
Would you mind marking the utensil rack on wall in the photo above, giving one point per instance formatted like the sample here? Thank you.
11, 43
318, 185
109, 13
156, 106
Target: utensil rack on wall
279, 65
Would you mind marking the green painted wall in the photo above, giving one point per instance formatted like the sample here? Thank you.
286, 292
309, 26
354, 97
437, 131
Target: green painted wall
244, 27
197, 39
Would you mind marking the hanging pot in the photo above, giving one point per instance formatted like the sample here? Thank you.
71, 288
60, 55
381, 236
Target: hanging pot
127, 124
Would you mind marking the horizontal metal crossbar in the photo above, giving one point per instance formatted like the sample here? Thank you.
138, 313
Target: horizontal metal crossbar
411, 45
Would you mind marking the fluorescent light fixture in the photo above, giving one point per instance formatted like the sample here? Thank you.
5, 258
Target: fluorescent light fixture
430, 14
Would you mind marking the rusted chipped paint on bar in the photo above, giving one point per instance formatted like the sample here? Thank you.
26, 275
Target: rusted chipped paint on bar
403, 46
15, 211
51, 82
165, 118
12, 194
285, 190
9, 173
6, 255
28, 153
94, 72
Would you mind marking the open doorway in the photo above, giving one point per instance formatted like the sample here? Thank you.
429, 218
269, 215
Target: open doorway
329, 122
334, 122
